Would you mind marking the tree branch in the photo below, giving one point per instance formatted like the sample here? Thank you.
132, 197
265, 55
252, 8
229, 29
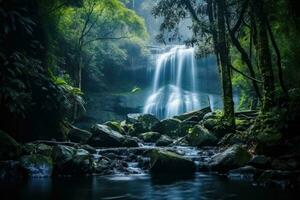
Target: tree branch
245, 75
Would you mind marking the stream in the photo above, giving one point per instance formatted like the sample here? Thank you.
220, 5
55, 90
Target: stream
140, 184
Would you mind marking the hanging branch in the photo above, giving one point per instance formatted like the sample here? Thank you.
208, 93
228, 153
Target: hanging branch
245, 75
278, 56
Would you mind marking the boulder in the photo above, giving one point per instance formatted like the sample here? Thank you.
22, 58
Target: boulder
131, 142
62, 154
194, 116
141, 122
37, 165
81, 163
210, 123
233, 157
185, 127
169, 127
231, 139
149, 136
104, 136
170, 162
116, 126
200, 136
9, 148
79, 135
32, 148
163, 141
69, 160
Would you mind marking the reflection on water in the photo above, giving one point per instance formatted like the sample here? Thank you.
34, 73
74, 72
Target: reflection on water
200, 186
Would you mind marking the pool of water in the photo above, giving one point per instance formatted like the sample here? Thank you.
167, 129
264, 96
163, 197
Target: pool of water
199, 186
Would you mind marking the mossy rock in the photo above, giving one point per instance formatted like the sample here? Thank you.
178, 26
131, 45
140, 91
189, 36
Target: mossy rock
170, 162
169, 127
79, 135
163, 141
104, 136
62, 154
116, 126
141, 122
233, 157
200, 136
150, 136
32, 148
9, 148
194, 115
37, 165
185, 127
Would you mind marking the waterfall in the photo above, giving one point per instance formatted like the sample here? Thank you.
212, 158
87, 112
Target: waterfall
174, 89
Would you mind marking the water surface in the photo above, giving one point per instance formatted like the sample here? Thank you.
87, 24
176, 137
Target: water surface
200, 186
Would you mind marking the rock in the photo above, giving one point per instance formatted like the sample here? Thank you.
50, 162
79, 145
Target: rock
169, 162
81, 163
185, 127
163, 141
231, 139
69, 160
141, 122
248, 173
149, 136
37, 165
31, 148
260, 161
169, 127
233, 157
279, 179
79, 135
210, 123
10, 170
104, 136
194, 116
200, 136
131, 142
9, 148
116, 126
62, 154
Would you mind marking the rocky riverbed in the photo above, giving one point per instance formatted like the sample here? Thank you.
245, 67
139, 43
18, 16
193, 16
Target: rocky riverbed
181, 146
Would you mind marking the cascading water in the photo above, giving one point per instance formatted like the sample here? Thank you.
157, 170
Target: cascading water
175, 84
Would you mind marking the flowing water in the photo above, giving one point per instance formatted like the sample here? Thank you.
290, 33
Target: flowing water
174, 89
141, 185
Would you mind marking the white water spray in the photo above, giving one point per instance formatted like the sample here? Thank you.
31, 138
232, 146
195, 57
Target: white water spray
175, 84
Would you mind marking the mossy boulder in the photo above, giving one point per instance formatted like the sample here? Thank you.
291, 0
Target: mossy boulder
69, 160
131, 142
37, 165
185, 127
32, 148
79, 135
104, 136
61, 154
232, 138
141, 122
169, 127
170, 162
149, 136
200, 136
233, 157
9, 148
116, 126
194, 115
163, 141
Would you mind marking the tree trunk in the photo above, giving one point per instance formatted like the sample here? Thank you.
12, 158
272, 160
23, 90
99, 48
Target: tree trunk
225, 64
264, 55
